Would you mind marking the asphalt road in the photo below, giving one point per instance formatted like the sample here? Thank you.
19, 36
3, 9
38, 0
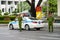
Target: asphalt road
43, 34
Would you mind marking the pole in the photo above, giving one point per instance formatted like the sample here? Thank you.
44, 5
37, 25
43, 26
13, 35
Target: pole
47, 7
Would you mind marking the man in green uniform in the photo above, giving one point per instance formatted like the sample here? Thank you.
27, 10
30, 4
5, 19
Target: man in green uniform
50, 20
20, 22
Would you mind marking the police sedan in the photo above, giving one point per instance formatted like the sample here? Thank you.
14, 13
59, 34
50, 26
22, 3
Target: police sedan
27, 24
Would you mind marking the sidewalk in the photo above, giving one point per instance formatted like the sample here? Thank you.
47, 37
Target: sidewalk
3, 24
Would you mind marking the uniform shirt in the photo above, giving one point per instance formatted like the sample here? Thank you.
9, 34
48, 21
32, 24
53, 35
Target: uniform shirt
20, 19
50, 19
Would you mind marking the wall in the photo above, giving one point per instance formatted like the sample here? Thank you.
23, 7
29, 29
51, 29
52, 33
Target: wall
58, 7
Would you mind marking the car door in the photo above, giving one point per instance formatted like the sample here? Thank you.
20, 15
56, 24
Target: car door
23, 22
57, 23
15, 23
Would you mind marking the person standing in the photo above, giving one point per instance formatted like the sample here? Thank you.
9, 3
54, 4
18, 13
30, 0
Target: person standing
50, 20
20, 21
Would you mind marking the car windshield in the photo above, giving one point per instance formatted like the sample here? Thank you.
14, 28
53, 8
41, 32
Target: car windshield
32, 18
26, 14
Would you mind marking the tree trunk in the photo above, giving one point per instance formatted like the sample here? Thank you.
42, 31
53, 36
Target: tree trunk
33, 9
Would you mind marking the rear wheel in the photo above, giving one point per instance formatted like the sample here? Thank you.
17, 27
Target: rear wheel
27, 27
11, 27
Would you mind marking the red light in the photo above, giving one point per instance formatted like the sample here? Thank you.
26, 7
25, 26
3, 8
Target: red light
34, 22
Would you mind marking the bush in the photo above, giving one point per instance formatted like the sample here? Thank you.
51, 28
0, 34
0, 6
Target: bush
4, 22
2, 17
6, 19
12, 17
6, 13
14, 14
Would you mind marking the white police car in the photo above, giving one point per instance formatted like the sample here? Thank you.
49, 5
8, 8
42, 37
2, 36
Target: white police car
27, 24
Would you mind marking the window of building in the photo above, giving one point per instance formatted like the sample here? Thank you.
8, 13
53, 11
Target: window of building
3, 2
16, 2
2, 9
9, 2
9, 10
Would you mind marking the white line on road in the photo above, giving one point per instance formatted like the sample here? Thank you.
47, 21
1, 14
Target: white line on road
48, 37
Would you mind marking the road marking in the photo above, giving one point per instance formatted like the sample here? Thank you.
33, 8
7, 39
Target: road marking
22, 38
49, 37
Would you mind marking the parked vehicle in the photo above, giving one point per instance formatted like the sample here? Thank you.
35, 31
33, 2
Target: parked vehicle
27, 23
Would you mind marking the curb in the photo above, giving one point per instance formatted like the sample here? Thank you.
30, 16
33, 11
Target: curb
3, 24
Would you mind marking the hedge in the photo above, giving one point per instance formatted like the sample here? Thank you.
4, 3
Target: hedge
11, 17
2, 17
4, 22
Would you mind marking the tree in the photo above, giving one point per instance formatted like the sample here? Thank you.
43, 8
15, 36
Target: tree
32, 4
25, 6
22, 6
52, 6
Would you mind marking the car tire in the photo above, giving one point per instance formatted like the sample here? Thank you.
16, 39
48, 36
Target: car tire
11, 27
37, 28
27, 27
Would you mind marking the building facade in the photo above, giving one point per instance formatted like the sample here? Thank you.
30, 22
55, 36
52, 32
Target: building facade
8, 5
58, 7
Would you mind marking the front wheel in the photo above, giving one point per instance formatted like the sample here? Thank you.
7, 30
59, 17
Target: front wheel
27, 27
11, 27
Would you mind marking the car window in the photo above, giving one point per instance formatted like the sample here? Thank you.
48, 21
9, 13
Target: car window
26, 14
57, 21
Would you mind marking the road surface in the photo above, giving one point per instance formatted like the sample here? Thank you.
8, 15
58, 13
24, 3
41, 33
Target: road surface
43, 34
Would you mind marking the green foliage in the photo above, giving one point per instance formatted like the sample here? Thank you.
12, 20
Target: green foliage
11, 17
2, 17
14, 14
25, 6
6, 13
44, 8
15, 11
0, 12
4, 22
22, 6
52, 6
